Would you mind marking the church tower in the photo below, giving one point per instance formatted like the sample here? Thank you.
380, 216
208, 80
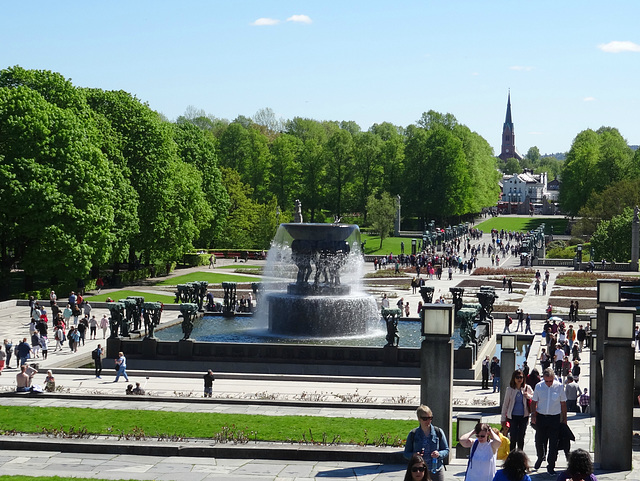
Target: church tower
509, 150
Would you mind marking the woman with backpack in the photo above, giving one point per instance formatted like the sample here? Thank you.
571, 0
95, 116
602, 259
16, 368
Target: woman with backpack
482, 459
428, 441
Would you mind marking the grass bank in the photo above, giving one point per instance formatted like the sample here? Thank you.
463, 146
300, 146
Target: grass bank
30, 419
210, 277
390, 244
123, 294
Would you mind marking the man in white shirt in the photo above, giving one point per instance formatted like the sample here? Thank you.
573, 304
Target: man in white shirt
548, 411
385, 302
558, 357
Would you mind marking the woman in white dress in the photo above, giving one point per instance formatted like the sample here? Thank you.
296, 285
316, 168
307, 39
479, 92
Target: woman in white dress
482, 460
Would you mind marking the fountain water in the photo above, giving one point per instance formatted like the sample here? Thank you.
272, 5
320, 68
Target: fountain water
326, 299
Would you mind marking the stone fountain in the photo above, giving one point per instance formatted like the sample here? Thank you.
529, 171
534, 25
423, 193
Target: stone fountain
324, 300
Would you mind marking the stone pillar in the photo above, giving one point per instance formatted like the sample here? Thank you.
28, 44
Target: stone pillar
596, 383
436, 380
617, 409
635, 239
113, 347
508, 365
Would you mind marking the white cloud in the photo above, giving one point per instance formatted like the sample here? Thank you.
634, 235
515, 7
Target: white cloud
299, 19
618, 46
474, 74
521, 68
589, 99
261, 22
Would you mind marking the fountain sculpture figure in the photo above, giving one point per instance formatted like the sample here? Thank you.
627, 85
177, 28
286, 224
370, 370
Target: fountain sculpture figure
324, 303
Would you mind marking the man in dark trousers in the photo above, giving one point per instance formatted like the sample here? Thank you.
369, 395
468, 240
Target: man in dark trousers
97, 355
208, 383
485, 373
548, 411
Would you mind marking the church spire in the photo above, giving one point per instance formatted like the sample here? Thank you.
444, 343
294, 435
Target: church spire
507, 120
509, 150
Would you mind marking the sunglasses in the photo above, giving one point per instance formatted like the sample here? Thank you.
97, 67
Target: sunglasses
418, 469
426, 418
481, 436
519, 377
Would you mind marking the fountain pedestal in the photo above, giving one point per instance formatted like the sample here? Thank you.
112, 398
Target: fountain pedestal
320, 303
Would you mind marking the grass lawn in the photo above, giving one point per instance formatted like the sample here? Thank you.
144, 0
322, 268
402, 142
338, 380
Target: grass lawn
123, 294
29, 419
210, 277
523, 224
390, 244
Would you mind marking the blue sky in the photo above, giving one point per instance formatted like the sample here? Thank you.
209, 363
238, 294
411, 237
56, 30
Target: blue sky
570, 65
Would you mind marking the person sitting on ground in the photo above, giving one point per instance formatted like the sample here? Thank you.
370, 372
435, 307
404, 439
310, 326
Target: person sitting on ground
129, 389
138, 391
24, 377
49, 382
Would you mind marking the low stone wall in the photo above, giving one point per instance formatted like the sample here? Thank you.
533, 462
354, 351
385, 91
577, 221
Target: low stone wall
269, 358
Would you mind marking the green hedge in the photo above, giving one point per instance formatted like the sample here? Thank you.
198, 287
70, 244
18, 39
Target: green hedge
195, 260
157, 270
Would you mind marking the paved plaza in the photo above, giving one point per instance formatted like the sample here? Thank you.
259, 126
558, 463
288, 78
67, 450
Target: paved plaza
241, 393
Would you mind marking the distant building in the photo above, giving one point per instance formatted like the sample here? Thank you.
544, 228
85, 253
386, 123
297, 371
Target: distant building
509, 150
526, 187
553, 190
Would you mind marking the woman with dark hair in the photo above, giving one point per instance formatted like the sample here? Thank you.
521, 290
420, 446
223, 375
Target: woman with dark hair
515, 408
533, 378
417, 469
482, 459
515, 467
580, 467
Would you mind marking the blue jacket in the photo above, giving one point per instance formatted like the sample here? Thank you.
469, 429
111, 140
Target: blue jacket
435, 441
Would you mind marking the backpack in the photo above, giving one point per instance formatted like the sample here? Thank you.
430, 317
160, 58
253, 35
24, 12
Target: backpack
473, 450
505, 447
95, 354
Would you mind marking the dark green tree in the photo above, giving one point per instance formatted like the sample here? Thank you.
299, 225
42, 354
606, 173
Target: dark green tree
368, 168
595, 160
285, 169
511, 166
243, 215
533, 155
612, 238
55, 218
382, 213
196, 147
339, 155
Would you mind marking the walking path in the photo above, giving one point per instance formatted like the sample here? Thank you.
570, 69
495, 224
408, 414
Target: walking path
244, 392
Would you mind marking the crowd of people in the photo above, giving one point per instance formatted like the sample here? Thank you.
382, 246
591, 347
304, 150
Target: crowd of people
427, 448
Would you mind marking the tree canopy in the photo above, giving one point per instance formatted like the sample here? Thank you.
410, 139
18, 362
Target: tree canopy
596, 160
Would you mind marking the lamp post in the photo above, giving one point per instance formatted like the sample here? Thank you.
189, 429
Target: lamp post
465, 423
436, 363
618, 378
608, 294
508, 361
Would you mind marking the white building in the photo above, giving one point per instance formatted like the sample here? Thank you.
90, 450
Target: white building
527, 187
